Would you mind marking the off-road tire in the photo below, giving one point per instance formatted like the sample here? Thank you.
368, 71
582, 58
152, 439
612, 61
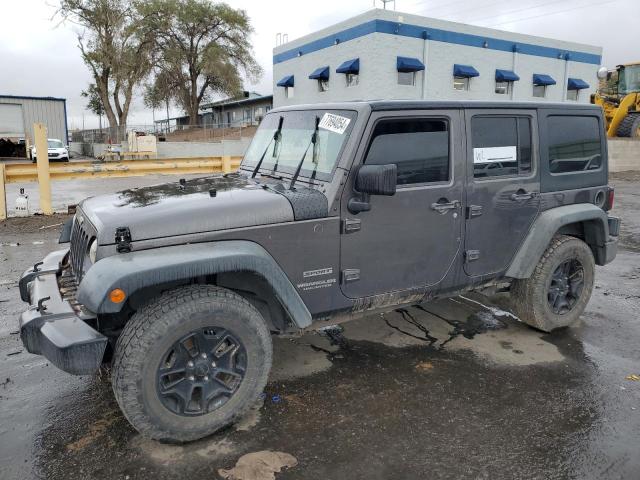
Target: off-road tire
529, 296
629, 126
154, 328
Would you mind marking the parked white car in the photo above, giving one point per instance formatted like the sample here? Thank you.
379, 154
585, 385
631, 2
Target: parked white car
57, 151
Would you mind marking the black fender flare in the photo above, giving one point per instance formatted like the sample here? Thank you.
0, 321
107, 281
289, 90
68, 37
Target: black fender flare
139, 269
548, 224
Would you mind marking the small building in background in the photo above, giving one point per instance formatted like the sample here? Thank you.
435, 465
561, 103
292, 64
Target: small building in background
383, 54
19, 113
245, 111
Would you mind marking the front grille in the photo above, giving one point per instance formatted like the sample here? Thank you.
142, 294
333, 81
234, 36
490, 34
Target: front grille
79, 242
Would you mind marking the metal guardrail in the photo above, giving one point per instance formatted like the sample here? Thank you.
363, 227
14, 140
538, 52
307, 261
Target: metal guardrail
28, 172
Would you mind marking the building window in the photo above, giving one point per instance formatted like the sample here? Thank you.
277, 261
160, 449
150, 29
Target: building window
267, 108
407, 78
574, 144
539, 91
501, 146
247, 114
288, 92
352, 79
419, 148
504, 88
461, 83
573, 95
323, 85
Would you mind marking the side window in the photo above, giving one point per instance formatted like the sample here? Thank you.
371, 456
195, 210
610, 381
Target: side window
574, 143
501, 146
419, 147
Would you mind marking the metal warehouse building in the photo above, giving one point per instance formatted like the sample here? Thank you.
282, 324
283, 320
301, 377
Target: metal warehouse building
384, 54
18, 114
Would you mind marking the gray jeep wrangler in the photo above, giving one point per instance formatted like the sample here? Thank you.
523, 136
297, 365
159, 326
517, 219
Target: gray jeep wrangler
337, 211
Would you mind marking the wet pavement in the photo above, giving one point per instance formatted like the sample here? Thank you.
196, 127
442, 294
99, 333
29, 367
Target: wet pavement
452, 389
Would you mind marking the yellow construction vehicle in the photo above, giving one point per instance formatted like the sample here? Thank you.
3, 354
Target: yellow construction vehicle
619, 96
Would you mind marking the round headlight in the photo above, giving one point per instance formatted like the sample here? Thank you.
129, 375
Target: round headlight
93, 250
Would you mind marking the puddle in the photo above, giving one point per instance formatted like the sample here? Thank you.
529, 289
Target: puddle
455, 324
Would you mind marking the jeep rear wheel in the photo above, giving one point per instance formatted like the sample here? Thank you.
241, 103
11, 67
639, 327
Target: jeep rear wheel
190, 363
559, 289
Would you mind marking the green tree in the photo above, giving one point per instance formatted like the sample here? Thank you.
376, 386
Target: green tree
114, 47
94, 103
203, 47
160, 92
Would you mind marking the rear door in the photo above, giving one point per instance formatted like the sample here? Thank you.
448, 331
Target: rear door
503, 186
411, 239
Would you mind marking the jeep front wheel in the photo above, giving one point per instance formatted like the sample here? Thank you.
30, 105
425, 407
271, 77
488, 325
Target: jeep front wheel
559, 289
190, 363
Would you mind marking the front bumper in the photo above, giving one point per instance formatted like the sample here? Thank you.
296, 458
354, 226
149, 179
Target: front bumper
51, 327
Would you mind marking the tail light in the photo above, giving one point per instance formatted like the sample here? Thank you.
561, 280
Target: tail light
610, 198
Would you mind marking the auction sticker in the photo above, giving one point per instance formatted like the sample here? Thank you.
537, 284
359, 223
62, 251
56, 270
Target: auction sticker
334, 123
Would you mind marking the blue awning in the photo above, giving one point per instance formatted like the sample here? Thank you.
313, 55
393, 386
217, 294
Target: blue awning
506, 76
350, 66
286, 81
465, 71
577, 84
321, 73
408, 64
542, 79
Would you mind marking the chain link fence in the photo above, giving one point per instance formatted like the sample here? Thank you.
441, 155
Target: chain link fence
168, 133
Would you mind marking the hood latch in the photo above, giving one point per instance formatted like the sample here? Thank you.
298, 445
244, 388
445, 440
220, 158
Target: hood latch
123, 240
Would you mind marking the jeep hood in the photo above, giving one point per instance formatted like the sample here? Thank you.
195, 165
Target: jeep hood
193, 206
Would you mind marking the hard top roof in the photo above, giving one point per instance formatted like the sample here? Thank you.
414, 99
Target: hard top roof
385, 105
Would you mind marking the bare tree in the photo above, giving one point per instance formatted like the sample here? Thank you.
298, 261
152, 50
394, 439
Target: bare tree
203, 47
114, 47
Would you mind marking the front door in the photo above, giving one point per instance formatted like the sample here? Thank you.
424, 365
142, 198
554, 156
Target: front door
411, 239
503, 186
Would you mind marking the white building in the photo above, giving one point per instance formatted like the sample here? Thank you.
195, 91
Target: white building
384, 54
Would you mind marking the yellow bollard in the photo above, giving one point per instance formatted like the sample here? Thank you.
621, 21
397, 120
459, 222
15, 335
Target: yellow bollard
42, 154
3, 194
226, 164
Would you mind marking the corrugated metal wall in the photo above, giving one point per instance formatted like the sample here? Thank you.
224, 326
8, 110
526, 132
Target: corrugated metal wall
51, 112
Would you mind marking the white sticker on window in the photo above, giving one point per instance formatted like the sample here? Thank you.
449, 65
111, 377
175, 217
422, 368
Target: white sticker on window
334, 123
495, 154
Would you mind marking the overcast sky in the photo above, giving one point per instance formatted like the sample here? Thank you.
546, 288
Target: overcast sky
39, 55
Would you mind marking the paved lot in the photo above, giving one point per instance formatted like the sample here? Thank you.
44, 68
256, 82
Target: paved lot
455, 389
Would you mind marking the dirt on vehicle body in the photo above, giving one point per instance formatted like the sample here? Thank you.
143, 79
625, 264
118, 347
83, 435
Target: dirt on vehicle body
337, 211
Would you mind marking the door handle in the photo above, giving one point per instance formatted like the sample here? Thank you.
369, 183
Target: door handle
442, 206
522, 195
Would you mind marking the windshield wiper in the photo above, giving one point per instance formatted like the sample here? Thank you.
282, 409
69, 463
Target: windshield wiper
276, 137
314, 139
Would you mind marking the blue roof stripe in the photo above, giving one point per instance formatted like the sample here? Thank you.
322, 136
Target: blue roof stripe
417, 31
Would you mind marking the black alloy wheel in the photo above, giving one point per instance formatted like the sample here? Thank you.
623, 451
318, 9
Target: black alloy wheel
201, 371
566, 287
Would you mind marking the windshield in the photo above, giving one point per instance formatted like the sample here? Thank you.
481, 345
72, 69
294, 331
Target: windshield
629, 80
55, 144
297, 129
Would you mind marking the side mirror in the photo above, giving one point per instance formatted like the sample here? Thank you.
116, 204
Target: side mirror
377, 179
373, 180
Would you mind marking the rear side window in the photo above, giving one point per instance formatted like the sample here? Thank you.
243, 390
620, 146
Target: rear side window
574, 144
501, 146
419, 147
